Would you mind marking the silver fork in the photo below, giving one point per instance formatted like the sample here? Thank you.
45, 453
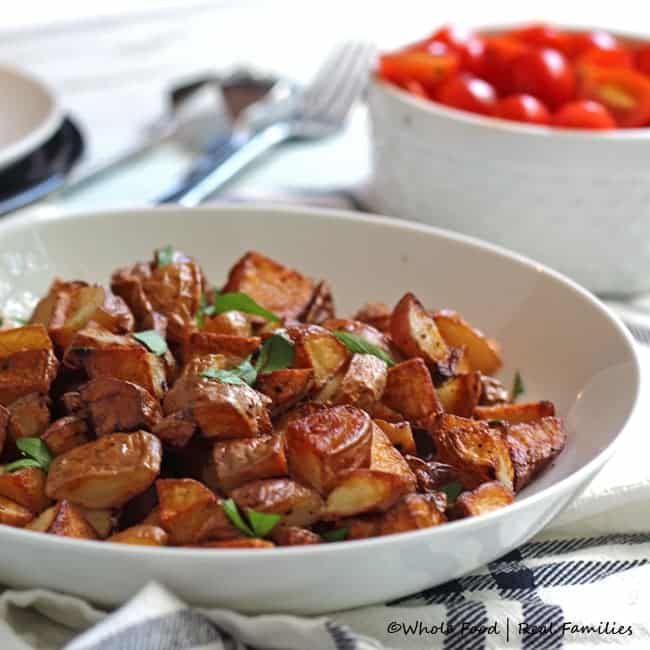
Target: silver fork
317, 111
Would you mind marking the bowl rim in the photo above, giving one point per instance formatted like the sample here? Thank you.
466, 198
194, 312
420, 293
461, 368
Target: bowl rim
26, 222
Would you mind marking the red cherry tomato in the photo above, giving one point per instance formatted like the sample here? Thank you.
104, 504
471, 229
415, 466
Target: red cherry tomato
464, 42
578, 42
522, 108
616, 58
418, 66
468, 93
643, 59
500, 54
584, 114
539, 35
415, 88
623, 91
545, 74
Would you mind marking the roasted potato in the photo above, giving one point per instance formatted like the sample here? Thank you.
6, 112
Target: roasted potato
321, 306
249, 459
432, 475
233, 323
66, 433
363, 383
361, 527
399, 433
141, 535
285, 387
362, 330
478, 452
481, 353
13, 514
294, 536
324, 446
176, 430
493, 392
70, 522
234, 348
103, 520
298, 505
42, 523
484, 498
29, 416
20, 339
460, 395
410, 391
377, 314
281, 290
26, 487
412, 512
117, 405
106, 473
26, 372
515, 413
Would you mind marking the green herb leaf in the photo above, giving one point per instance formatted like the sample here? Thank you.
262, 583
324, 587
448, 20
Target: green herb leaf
336, 535
240, 302
355, 343
153, 341
165, 255
22, 464
452, 490
277, 353
243, 373
37, 452
232, 512
517, 386
263, 523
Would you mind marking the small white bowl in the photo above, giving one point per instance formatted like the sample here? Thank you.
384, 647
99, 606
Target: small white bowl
578, 201
569, 347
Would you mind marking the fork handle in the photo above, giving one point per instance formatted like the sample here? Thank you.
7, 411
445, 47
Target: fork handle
224, 159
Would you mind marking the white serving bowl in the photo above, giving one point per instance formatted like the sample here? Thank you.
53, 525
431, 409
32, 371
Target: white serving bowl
569, 347
578, 201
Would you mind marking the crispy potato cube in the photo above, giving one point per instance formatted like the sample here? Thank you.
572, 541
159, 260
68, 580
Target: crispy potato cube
298, 505
238, 543
493, 392
532, 446
363, 383
460, 395
361, 527
26, 487
141, 535
359, 328
191, 513
325, 445
380, 411
4, 425
321, 306
432, 475
477, 451
375, 487
29, 416
318, 349
234, 348
412, 512
65, 434
377, 314
285, 387
515, 413
70, 522
176, 430
102, 520
279, 289
482, 353
108, 472
19, 339
294, 536
399, 433
233, 323
481, 500
44, 521
13, 514
118, 405
415, 333
249, 459
25, 372
409, 390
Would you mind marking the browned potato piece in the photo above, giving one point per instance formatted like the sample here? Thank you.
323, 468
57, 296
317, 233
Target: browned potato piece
102, 520
234, 348
485, 498
108, 472
153, 518
399, 433
279, 289
380, 411
285, 387
377, 314
294, 536
431, 474
4, 422
325, 445
477, 451
481, 352
298, 505
141, 535
191, 513
29, 416
118, 405
13, 514
71, 403
533, 446
177, 429
415, 333
360, 329
363, 383
319, 349
375, 487
515, 413
70, 522
460, 395
19, 339
493, 392
65, 434
25, 372
26, 487
249, 459
412, 512
239, 542
234, 323
409, 390
321, 306
42, 523
361, 527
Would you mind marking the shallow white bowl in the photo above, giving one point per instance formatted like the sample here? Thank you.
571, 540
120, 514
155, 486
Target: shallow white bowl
578, 201
569, 349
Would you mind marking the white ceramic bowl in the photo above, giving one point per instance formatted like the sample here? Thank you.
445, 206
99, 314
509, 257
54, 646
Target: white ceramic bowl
569, 349
575, 200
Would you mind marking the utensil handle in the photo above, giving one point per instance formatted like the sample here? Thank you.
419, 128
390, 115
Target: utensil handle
224, 160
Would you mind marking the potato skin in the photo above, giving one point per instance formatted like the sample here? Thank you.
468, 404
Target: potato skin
482, 499
285, 387
108, 472
176, 430
29, 416
413, 512
26, 487
360, 329
294, 536
235, 323
66, 433
515, 413
234, 348
13, 514
321, 306
363, 383
26, 372
141, 535
432, 475
70, 522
